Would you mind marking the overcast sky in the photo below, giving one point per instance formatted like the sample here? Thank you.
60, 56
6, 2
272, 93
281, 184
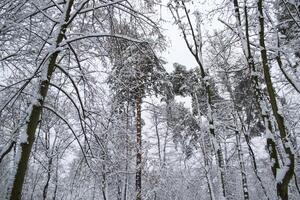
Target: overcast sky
177, 50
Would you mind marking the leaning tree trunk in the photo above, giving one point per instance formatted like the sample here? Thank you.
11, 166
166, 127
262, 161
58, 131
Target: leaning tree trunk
285, 174
261, 102
35, 109
259, 96
138, 179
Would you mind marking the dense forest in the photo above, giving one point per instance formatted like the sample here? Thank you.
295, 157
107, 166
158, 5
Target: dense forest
90, 108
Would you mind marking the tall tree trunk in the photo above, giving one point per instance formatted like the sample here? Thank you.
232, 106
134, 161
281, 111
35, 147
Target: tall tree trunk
103, 181
215, 138
119, 188
195, 48
252, 156
49, 155
169, 117
285, 174
209, 95
127, 152
155, 116
204, 148
259, 95
238, 139
56, 178
35, 109
207, 169
138, 179
49, 171
242, 165
260, 99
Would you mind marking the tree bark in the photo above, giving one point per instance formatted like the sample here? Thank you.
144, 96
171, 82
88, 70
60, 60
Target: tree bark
138, 179
195, 48
238, 140
49, 171
156, 123
207, 169
259, 96
242, 166
127, 152
35, 110
287, 170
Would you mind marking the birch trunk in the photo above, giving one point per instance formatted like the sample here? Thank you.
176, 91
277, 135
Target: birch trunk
209, 95
238, 140
259, 96
242, 166
204, 148
207, 169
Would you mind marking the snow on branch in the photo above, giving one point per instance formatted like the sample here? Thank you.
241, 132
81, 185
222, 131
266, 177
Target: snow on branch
74, 39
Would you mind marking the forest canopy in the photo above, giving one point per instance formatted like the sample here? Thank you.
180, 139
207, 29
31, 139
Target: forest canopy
94, 106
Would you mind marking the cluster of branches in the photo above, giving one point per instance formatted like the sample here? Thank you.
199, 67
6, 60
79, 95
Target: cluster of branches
244, 83
48, 82
87, 110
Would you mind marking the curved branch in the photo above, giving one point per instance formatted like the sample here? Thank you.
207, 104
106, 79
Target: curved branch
6, 150
78, 111
71, 129
119, 36
75, 87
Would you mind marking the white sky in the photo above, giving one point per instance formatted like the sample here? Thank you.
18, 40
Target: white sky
177, 50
